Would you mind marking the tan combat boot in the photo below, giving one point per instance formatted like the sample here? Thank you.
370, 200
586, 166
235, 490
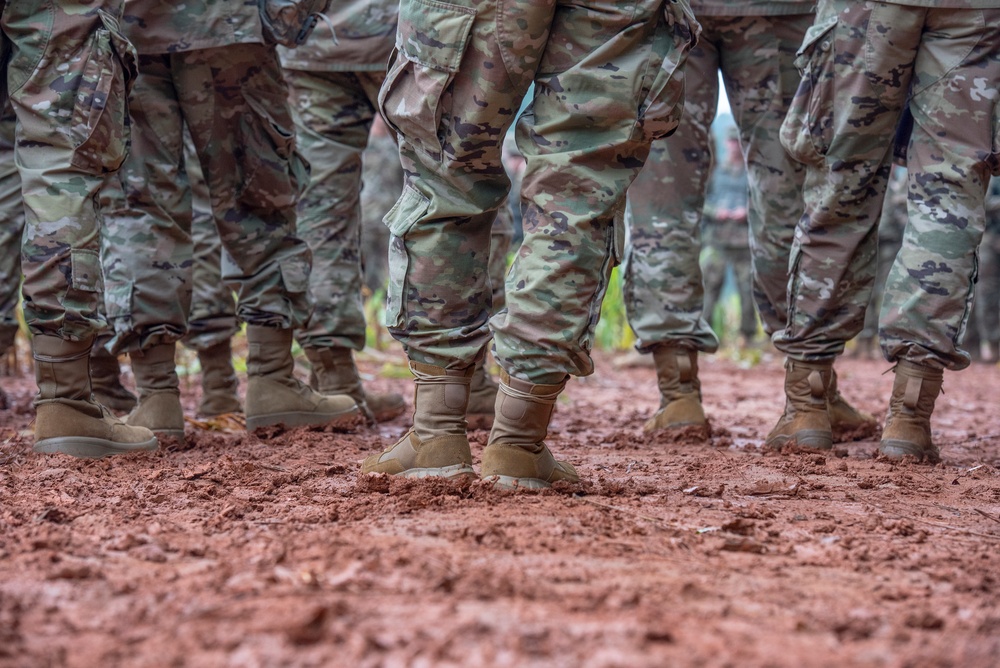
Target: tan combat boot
106, 381
219, 385
680, 390
67, 419
275, 396
907, 428
482, 398
159, 408
334, 372
438, 445
516, 454
806, 420
847, 422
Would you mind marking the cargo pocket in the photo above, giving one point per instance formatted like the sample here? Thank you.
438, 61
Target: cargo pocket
273, 173
663, 84
400, 219
100, 127
430, 43
805, 133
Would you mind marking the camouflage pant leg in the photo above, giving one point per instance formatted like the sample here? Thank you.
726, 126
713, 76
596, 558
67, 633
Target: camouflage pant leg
758, 70
452, 92
956, 114
147, 241
212, 319
11, 226
334, 115
67, 82
383, 181
740, 260
663, 290
235, 102
847, 149
450, 99
578, 171
987, 304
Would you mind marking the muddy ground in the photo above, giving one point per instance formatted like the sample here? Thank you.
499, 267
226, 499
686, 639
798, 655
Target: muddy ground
239, 551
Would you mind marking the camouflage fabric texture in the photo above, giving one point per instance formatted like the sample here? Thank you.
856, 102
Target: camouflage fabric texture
163, 26
11, 227
382, 176
334, 115
455, 83
663, 282
842, 125
67, 78
212, 318
234, 101
987, 303
357, 36
890, 238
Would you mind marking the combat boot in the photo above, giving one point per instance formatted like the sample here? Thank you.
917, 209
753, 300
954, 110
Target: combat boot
437, 446
159, 408
67, 419
219, 385
482, 398
846, 422
806, 420
106, 381
516, 455
680, 390
275, 396
907, 428
334, 372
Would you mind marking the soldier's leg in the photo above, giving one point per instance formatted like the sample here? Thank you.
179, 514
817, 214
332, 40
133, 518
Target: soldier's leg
758, 70
254, 177
739, 260
212, 322
574, 185
149, 292
71, 131
987, 303
929, 291
833, 255
11, 227
663, 288
454, 62
334, 114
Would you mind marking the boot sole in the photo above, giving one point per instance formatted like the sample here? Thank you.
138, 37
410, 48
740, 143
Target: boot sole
92, 448
510, 482
810, 439
900, 449
454, 472
345, 419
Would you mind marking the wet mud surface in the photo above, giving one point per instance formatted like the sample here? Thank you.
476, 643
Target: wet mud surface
238, 550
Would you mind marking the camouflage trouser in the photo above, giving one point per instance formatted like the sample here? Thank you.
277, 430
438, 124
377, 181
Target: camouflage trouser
334, 114
67, 77
663, 283
234, 101
987, 307
11, 227
842, 124
212, 319
716, 261
452, 90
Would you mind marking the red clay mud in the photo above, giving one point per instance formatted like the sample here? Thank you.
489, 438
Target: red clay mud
248, 551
